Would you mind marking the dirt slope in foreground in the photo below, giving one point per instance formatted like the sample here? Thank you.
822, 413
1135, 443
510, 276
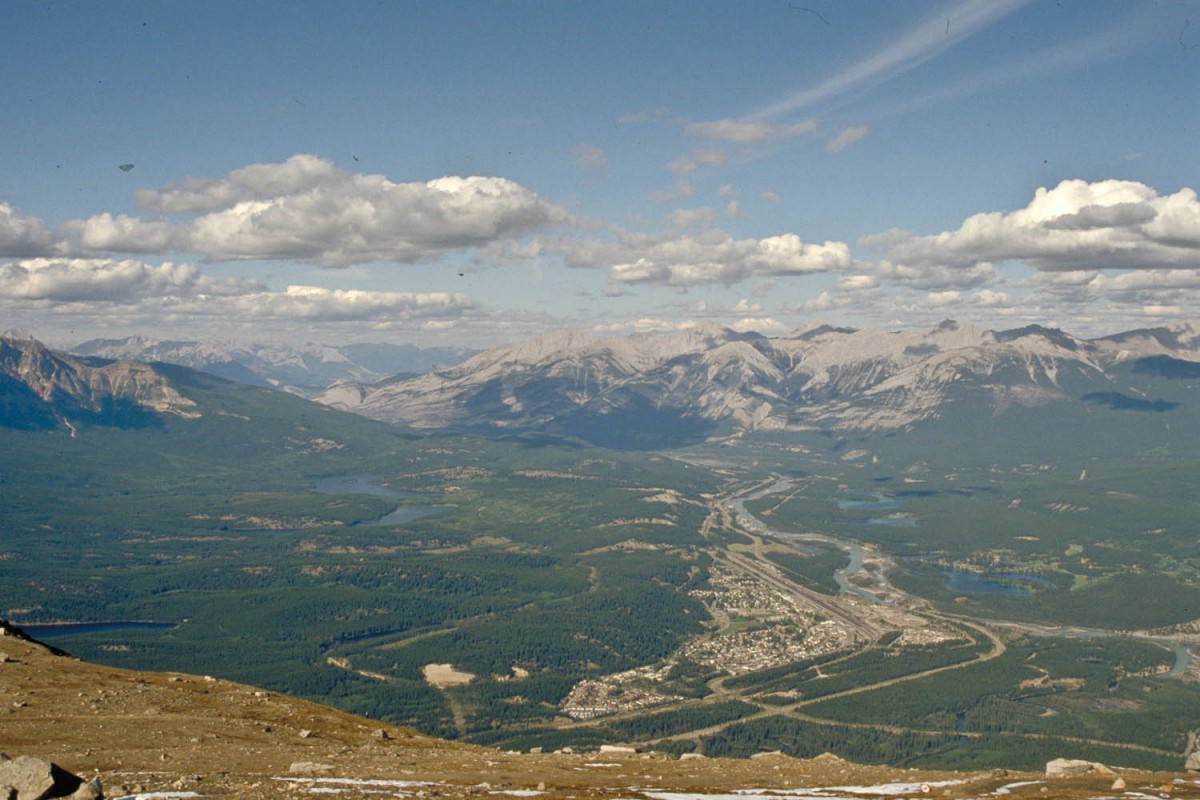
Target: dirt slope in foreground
165, 732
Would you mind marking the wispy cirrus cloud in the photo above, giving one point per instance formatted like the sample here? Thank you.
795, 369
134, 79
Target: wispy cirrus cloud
845, 138
747, 131
925, 41
1121, 36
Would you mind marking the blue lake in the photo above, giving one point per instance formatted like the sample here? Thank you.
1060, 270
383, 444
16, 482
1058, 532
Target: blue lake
54, 630
875, 501
1007, 584
404, 514
356, 484
894, 522
369, 485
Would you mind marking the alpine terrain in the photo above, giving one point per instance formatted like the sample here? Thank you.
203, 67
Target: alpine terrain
669, 389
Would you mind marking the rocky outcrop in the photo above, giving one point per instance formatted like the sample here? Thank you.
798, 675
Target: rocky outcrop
1073, 767
31, 778
40, 387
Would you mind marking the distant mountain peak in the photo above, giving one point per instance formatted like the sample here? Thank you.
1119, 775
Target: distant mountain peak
304, 369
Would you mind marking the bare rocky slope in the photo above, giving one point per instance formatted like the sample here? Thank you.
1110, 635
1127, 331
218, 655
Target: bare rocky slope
679, 387
175, 735
40, 387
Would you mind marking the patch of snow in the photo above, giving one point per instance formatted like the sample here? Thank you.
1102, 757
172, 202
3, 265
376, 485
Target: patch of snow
393, 784
814, 793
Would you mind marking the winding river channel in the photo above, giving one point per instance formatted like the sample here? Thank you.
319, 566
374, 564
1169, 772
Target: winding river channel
886, 592
855, 551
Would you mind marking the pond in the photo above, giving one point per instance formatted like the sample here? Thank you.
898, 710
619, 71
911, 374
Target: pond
370, 485
357, 484
1008, 584
872, 501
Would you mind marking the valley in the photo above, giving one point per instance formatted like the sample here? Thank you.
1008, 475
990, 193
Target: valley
966, 591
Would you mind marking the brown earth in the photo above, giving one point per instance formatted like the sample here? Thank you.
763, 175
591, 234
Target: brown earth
168, 732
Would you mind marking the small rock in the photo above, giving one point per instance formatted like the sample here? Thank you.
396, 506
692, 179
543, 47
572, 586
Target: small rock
90, 790
690, 756
381, 734
1193, 762
306, 734
1119, 783
771, 753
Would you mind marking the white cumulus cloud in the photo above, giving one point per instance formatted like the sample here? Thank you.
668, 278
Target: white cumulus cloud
1114, 225
709, 257
306, 209
125, 234
318, 303
108, 281
21, 236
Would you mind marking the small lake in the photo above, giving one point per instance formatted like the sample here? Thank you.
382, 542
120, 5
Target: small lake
894, 521
357, 484
370, 485
404, 514
872, 501
56, 629
1007, 584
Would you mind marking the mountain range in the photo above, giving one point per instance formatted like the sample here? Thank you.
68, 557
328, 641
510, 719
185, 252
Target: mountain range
668, 389
303, 369
645, 391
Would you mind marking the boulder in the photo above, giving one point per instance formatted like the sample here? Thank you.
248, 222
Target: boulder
1070, 767
31, 778
309, 767
1193, 762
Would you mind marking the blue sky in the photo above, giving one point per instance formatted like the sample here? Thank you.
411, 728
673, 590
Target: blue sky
476, 172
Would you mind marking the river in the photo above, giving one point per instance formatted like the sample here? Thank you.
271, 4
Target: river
857, 553
854, 551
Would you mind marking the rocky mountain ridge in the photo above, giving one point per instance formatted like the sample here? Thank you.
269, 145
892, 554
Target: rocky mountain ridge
710, 380
40, 387
304, 369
